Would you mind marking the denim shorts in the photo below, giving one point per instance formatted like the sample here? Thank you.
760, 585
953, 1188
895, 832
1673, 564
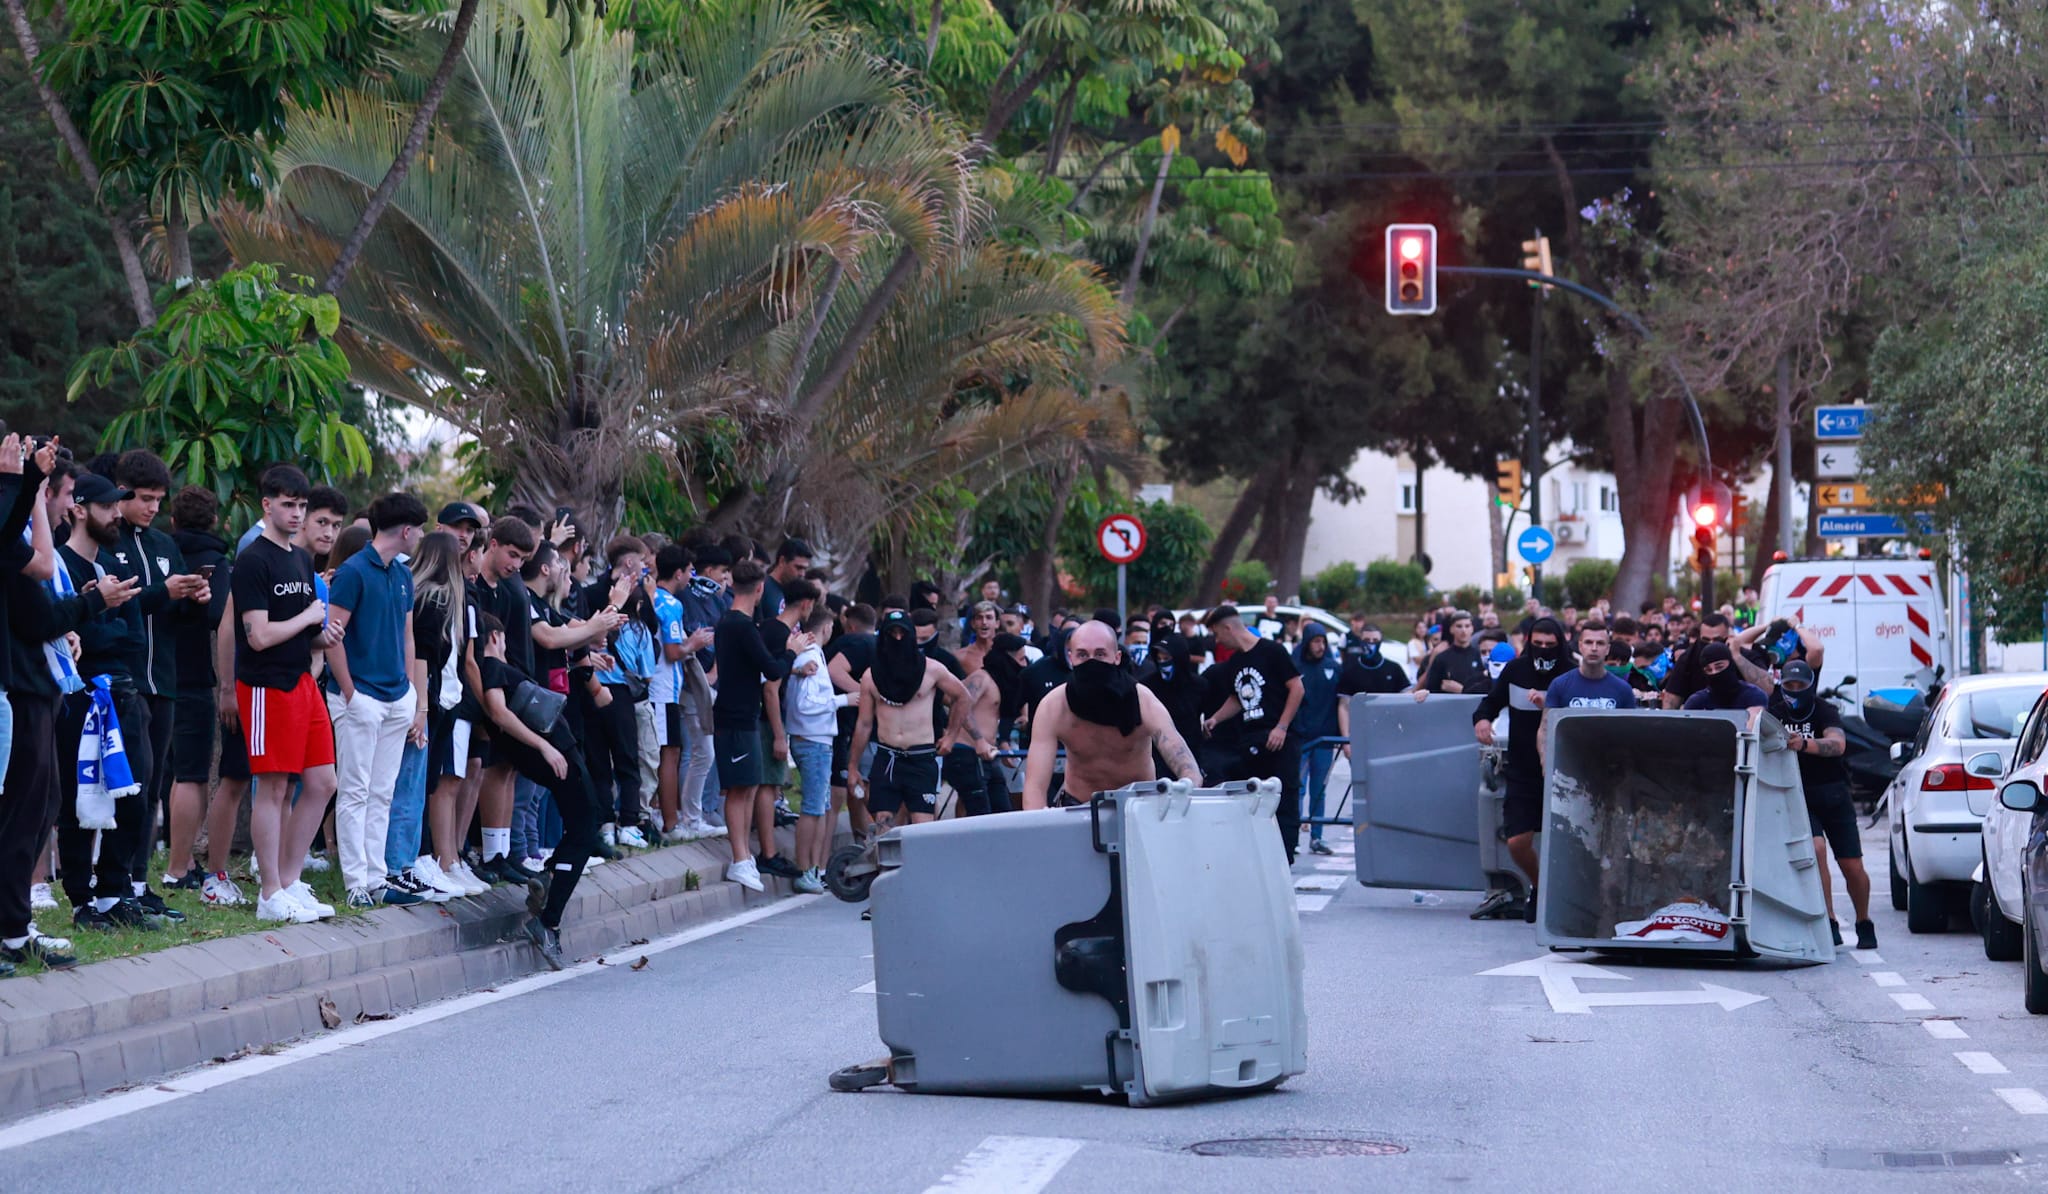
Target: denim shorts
814, 765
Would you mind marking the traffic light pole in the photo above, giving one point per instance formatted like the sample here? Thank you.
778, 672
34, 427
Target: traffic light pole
1532, 441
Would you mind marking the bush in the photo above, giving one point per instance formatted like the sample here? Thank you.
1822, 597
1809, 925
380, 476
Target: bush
1587, 581
1508, 598
1334, 588
1465, 597
1391, 586
1247, 581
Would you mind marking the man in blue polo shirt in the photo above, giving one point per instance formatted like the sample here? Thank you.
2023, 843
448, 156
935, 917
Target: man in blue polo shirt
379, 693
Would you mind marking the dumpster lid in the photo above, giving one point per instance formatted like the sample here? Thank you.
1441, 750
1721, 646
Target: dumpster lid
1415, 771
1788, 915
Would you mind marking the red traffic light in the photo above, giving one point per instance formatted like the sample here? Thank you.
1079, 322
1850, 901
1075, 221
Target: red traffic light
1411, 269
1705, 514
1411, 248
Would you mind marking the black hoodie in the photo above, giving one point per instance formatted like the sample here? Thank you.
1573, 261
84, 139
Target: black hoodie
193, 637
1048, 673
151, 556
1525, 674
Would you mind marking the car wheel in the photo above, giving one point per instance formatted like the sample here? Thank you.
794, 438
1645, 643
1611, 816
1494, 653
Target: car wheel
1926, 905
2001, 937
2037, 979
1898, 874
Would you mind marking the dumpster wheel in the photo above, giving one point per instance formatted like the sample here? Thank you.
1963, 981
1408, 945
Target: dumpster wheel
850, 872
859, 1077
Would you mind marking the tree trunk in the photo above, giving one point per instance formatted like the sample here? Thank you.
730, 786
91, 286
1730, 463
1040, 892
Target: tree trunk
1223, 553
1768, 534
1039, 574
1300, 503
1130, 295
1643, 441
1266, 545
422, 120
178, 243
81, 155
931, 37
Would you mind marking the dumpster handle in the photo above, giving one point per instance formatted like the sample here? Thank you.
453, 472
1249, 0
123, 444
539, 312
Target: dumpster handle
1095, 804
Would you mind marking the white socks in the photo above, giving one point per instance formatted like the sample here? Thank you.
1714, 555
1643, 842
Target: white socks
497, 842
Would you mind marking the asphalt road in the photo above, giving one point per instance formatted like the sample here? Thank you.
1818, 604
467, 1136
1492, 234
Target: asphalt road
705, 1070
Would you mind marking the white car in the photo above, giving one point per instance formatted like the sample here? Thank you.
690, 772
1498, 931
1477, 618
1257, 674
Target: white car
1948, 781
1256, 621
1998, 901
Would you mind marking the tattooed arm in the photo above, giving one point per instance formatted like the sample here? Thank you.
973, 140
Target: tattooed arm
1167, 740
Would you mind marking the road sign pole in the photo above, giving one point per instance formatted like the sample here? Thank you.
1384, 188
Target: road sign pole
1122, 615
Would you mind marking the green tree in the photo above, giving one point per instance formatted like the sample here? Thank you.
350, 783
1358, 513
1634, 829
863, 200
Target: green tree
1176, 545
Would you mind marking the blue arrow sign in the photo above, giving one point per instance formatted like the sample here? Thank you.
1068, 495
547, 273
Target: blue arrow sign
1839, 422
1535, 544
1869, 526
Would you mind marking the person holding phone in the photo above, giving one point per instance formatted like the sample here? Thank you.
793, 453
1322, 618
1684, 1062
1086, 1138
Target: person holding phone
195, 513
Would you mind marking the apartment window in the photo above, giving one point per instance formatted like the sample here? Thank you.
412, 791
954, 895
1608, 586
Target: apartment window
1610, 501
1408, 494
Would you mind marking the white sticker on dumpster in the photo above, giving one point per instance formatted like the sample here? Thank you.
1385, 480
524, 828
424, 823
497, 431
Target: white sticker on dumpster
1561, 976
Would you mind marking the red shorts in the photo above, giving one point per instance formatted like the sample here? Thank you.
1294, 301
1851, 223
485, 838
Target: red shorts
288, 730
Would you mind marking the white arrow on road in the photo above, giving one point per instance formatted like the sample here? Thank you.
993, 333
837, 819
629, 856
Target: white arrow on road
1560, 977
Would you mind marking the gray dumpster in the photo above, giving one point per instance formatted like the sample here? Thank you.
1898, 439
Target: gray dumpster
1144, 945
1677, 832
1425, 802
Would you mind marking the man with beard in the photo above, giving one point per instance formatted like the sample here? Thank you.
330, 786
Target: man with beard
1520, 691
896, 709
1265, 697
1108, 722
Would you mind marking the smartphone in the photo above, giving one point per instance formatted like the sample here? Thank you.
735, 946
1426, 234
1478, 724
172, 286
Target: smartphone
206, 571
564, 514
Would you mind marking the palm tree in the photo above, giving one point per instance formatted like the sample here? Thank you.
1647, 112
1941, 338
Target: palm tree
592, 252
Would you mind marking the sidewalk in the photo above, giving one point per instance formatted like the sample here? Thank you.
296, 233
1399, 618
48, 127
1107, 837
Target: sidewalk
127, 1021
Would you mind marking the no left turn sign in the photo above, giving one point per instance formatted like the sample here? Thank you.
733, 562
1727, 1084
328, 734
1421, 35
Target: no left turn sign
1121, 538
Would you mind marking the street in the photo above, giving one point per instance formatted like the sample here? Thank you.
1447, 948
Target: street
705, 1070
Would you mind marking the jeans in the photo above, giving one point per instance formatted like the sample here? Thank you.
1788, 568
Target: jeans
528, 798
408, 811
369, 743
813, 761
1319, 762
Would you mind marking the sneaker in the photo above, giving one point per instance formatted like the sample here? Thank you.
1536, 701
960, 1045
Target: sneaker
219, 891
548, 941
532, 865
631, 838
133, 914
154, 904
40, 899
1316, 846
85, 916
1835, 928
398, 897
429, 872
609, 834
706, 829
57, 943
867, 913
409, 881
38, 948
1866, 935
503, 870
283, 907
746, 874
301, 893
779, 866
810, 883
468, 878
317, 862
604, 850
193, 880
361, 898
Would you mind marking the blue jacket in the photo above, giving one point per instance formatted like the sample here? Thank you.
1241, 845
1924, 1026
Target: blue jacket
1318, 715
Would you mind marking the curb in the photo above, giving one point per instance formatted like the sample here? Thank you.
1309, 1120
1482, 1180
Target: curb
128, 1021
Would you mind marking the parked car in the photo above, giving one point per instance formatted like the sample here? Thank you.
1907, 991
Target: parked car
1256, 621
1947, 782
2024, 796
1997, 904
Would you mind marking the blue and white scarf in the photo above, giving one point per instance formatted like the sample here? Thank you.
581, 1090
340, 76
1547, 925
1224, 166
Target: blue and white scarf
103, 772
57, 652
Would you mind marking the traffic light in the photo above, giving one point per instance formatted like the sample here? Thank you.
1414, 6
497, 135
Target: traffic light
1536, 257
1707, 506
1508, 483
1411, 269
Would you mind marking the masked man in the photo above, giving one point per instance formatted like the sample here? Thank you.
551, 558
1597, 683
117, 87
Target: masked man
1520, 691
1108, 722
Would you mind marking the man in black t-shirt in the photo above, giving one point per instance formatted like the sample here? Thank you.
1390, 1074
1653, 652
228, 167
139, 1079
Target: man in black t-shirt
1265, 695
848, 658
1459, 666
744, 665
1813, 731
498, 591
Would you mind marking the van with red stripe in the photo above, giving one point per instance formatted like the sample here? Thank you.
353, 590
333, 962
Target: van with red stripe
1882, 620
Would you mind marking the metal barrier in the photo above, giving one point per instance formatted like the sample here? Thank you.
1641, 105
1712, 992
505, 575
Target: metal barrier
1309, 750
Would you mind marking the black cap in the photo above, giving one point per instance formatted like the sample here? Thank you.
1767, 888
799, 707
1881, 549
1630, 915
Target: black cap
1798, 671
896, 618
91, 489
455, 512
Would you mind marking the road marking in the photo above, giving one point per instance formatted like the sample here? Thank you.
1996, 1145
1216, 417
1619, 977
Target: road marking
1008, 1165
1912, 1003
1888, 978
1560, 978
1312, 903
70, 1119
1945, 1030
866, 988
1866, 957
1982, 1063
1336, 868
2025, 1100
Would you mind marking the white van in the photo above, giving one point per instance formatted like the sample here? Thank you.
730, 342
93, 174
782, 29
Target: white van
1881, 620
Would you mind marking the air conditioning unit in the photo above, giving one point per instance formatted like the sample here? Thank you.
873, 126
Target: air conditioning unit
1568, 532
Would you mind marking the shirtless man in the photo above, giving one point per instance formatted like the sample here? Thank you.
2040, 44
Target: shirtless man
984, 705
1108, 722
896, 698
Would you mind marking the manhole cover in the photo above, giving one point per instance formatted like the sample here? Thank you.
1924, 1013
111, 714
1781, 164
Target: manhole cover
1296, 1148
1862, 1159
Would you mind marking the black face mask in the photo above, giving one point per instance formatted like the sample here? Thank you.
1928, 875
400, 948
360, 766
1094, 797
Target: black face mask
1800, 704
1105, 694
899, 667
1370, 653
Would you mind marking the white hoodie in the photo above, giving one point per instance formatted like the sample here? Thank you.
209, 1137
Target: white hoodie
810, 705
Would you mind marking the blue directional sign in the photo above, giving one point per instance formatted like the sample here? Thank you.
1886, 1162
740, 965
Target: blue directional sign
1839, 422
1535, 544
1868, 526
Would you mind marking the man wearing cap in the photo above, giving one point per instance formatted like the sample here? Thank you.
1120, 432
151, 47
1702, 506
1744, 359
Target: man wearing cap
1813, 731
464, 521
898, 696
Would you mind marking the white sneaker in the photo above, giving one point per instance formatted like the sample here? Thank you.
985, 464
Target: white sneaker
746, 874
461, 873
317, 862
706, 829
532, 866
430, 873
40, 899
61, 945
412, 881
610, 833
219, 891
631, 838
302, 893
810, 882
283, 907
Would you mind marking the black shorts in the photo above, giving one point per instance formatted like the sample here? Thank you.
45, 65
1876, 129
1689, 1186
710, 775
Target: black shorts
739, 756
1831, 811
195, 721
448, 745
1521, 810
668, 726
904, 779
842, 746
